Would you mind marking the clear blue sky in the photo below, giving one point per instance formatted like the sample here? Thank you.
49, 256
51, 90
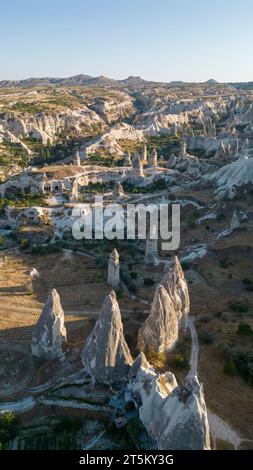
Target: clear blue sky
191, 40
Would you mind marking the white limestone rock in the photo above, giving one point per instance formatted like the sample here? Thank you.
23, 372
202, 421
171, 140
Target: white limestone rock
175, 416
144, 153
160, 330
113, 277
235, 222
176, 286
49, 333
183, 151
106, 356
149, 391
193, 168
34, 274
127, 159
229, 179
137, 169
151, 253
74, 192
183, 421
118, 190
169, 311
76, 159
152, 161
111, 140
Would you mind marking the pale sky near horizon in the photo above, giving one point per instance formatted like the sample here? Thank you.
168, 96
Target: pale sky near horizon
163, 40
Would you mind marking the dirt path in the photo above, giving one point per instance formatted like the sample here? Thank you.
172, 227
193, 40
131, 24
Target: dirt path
195, 348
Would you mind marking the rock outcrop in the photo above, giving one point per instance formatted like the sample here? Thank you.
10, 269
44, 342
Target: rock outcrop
175, 416
127, 159
176, 286
230, 179
144, 153
183, 421
149, 391
118, 190
169, 311
235, 222
151, 253
160, 330
137, 169
152, 161
44, 127
113, 277
49, 332
106, 356
111, 140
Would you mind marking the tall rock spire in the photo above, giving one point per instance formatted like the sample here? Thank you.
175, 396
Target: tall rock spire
160, 330
113, 277
152, 161
176, 286
137, 169
127, 159
49, 332
144, 153
106, 356
151, 253
169, 310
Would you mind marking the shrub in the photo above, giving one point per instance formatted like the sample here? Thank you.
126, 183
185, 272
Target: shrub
224, 316
206, 318
119, 293
8, 428
244, 364
67, 423
244, 329
229, 368
224, 263
227, 351
180, 361
132, 287
133, 275
134, 427
101, 262
157, 359
24, 243
248, 284
191, 224
238, 307
205, 337
148, 281
185, 265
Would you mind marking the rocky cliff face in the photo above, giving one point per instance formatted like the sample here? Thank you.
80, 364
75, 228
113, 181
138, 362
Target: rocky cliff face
184, 423
111, 140
49, 332
149, 391
44, 127
160, 330
176, 286
175, 416
106, 356
113, 277
169, 309
111, 110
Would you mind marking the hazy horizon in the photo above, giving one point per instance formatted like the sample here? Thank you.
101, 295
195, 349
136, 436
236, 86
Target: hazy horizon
156, 39
117, 79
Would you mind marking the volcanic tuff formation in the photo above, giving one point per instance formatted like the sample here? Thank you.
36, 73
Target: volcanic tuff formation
169, 310
49, 332
106, 356
175, 416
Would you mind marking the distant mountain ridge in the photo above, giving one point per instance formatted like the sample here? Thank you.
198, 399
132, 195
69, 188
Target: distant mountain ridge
83, 79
